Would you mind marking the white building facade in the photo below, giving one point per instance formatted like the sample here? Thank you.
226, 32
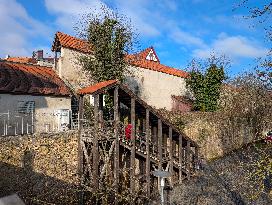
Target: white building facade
152, 81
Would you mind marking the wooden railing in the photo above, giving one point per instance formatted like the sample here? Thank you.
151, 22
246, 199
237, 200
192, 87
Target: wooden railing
106, 132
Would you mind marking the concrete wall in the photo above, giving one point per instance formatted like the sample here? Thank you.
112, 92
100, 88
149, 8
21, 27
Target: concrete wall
70, 70
45, 118
154, 87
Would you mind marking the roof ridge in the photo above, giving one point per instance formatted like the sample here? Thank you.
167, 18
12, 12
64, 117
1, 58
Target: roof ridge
41, 81
141, 62
30, 64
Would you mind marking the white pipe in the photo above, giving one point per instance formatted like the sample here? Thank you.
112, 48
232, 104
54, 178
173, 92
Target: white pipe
26, 128
32, 122
162, 188
22, 125
4, 127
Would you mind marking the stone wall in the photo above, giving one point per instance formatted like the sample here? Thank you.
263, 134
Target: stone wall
215, 133
40, 168
217, 136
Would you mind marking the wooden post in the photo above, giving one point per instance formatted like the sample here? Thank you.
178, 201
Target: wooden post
55, 62
116, 153
147, 133
171, 154
196, 161
159, 149
95, 144
80, 153
100, 108
188, 161
132, 157
180, 158
155, 140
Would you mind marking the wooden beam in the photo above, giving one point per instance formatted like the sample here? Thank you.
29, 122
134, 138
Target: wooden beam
132, 157
155, 140
80, 152
171, 154
116, 153
196, 165
100, 108
95, 144
147, 133
180, 158
188, 161
159, 149
160, 143
80, 125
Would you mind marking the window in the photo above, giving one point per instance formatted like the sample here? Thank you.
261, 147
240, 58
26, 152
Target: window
26, 107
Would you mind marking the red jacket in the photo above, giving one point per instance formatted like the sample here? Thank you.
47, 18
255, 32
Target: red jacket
128, 131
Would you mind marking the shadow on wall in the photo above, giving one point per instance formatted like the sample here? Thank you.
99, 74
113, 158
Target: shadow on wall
135, 87
33, 187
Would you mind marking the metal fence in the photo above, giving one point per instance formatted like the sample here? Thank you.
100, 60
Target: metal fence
16, 123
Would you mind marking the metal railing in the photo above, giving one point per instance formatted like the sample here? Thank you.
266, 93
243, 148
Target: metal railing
16, 123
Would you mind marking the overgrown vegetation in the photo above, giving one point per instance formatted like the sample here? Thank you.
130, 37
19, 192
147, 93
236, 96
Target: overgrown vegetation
110, 37
246, 97
205, 85
261, 168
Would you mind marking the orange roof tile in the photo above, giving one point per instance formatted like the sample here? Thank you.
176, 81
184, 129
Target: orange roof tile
143, 54
19, 78
21, 60
138, 59
67, 41
93, 88
155, 66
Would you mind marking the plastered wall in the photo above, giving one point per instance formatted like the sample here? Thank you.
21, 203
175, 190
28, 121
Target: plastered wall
44, 116
154, 87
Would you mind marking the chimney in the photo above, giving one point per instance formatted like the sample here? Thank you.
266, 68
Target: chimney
7, 56
38, 55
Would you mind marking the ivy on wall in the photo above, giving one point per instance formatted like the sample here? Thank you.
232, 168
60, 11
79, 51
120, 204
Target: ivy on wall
205, 87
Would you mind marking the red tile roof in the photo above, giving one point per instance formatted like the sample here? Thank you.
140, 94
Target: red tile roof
18, 78
143, 54
138, 59
67, 41
21, 60
151, 65
93, 88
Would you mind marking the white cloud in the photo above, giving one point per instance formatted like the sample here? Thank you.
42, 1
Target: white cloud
185, 38
232, 46
18, 29
143, 18
69, 12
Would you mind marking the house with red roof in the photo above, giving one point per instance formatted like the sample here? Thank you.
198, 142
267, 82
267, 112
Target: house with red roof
154, 82
37, 58
33, 98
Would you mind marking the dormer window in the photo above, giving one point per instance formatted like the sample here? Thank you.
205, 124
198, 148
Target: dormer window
151, 56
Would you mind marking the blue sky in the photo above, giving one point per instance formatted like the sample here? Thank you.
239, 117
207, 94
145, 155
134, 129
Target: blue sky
179, 30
